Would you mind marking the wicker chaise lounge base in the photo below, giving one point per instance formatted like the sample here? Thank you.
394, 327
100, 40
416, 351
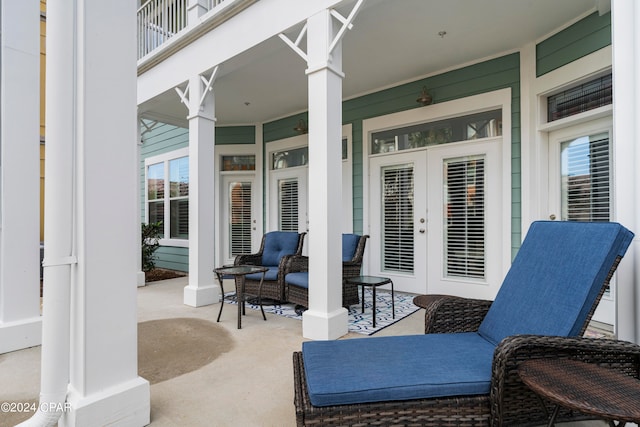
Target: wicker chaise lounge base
510, 403
464, 371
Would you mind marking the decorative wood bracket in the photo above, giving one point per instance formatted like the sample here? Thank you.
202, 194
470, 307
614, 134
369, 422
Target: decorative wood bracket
148, 127
296, 45
208, 87
346, 25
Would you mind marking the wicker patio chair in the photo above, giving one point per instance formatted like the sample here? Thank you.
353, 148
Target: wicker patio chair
549, 294
274, 248
297, 277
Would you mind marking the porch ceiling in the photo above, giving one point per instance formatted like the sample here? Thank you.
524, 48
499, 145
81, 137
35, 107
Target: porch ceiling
391, 42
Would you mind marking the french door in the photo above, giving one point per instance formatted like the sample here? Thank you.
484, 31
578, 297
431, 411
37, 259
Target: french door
239, 216
288, 199
398, 214
580, 184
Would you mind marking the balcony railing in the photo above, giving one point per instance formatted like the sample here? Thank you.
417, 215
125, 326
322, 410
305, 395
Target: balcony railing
160, 20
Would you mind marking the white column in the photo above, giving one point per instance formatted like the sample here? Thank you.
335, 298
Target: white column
91, 125
626, 150
20, 322
202, 288
325, 318
140, 274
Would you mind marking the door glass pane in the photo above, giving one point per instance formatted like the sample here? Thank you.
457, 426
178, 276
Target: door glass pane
397, 218
240, 218
288, 205
585, 180
465, 217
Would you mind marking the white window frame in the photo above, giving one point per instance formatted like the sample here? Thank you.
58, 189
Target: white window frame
300, 141
238, 150
164, 158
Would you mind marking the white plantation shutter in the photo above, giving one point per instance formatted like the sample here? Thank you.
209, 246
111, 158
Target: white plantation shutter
397, 221
585, 179
464, 217
240, 218
288, 205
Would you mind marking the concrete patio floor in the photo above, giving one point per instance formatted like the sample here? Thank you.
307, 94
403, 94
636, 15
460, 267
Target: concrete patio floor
251, 384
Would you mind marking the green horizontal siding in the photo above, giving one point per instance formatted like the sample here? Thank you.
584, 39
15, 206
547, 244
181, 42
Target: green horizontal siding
580, 39
235, 135
498, 73
282, 128
173, 258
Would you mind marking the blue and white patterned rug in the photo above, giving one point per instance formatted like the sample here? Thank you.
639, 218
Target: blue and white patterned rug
361, 323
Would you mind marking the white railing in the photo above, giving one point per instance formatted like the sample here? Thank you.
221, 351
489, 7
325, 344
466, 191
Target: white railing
158, 21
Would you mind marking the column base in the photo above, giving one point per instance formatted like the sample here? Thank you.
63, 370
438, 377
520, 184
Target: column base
19, 335
201, 295
318, 325
141, 279
126, 404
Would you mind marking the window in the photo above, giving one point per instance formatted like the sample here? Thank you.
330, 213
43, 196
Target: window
397, 218
240, 218
474, 126
172, 208
179, 198
585, 178
465, 217
288, 206
587, 96
298, 157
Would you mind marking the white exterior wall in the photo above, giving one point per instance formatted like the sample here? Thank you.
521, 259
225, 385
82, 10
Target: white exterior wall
20, 322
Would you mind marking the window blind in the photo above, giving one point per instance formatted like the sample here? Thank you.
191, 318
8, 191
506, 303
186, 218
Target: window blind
288, 204
397, 221
465, 217
240, 218
585, 179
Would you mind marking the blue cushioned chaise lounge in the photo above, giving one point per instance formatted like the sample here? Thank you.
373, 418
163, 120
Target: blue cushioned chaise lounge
463, 370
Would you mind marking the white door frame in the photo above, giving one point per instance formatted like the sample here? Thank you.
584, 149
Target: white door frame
239, 150
469, 105
606, 310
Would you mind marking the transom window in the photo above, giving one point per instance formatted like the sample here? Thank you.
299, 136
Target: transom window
473, 126
593, 94
298, 157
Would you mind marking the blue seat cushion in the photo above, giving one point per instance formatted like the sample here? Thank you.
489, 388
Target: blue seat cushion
555, 279
349, 246
300, 279
278, 244
397, 368
269, 275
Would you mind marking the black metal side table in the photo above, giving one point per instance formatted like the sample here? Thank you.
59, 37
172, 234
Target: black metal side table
374, 282
240, 271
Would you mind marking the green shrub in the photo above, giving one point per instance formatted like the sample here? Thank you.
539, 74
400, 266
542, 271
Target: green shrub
151, 234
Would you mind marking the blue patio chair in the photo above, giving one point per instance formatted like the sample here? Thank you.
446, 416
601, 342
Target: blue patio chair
297, 277
275, 246
468, 377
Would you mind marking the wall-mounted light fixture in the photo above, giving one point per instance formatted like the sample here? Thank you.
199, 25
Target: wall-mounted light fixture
301, 128
425, 98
